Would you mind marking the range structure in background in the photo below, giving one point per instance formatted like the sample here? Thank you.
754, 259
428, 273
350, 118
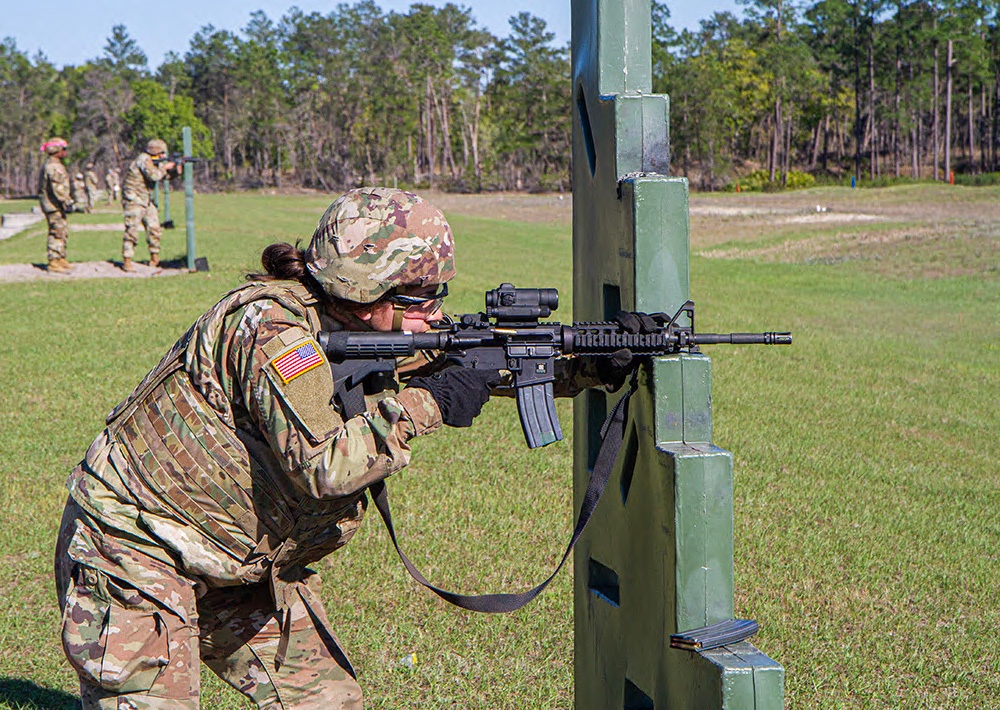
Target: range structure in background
166, 222
193, 263
657, 559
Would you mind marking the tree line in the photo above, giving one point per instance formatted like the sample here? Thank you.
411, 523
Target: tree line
873, 88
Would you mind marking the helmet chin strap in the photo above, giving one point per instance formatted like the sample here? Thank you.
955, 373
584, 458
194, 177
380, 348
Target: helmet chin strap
398, 311
348, 317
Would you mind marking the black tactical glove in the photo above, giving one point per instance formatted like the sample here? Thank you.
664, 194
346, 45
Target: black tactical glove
460, 393
615, 368
635, 323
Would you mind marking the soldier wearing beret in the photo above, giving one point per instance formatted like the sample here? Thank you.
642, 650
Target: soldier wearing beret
141, 177
56, 199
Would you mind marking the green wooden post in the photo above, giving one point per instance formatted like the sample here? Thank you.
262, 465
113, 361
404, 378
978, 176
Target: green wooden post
156, 194
166, 202
658, 555
189, 198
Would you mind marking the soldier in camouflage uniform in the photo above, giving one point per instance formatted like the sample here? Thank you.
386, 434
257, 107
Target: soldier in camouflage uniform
140, 179
56, 199
90, 182
193, 518
111, 180
80, 192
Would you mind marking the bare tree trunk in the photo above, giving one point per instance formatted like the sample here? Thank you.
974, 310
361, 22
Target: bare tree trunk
412, 156
914, 132
983, 163
937, 112
788, 151
895, 123
972, 135
841, 142
475, 143
826, 141
817, 132
429, 133
857, 94
873, 168
947, 116
995, 123
775, 139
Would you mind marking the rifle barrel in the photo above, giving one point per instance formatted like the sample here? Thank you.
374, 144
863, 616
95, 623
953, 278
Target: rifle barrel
741, 338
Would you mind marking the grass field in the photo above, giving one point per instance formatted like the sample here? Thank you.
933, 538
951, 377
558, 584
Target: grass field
867, 477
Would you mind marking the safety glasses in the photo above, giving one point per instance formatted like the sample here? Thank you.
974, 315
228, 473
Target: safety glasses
426, 303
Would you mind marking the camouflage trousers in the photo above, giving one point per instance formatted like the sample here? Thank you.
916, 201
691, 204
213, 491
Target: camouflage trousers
138, 650
146, 216
58, 234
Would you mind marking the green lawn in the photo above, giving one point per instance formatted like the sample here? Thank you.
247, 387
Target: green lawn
867, 487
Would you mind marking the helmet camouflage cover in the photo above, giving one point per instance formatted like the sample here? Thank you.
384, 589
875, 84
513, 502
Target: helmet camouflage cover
54, 145
156, 146
374, 239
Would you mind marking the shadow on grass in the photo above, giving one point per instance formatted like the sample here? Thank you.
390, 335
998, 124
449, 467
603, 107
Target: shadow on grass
25, 695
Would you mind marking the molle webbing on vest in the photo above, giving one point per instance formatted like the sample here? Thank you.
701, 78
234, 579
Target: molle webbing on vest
205, 480
177, 427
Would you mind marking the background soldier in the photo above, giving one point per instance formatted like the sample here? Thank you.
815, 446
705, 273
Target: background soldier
80, 192
140, 178
111, 180
90, 182
55, 197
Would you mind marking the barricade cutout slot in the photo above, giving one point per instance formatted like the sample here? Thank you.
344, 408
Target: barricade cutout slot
628, 461
635, 699
603, 581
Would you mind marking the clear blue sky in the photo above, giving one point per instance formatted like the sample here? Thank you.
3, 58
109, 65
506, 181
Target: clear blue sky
73, 31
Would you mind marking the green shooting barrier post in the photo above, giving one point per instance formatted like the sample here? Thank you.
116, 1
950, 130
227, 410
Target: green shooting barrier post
189, 200
657, 558
167, 222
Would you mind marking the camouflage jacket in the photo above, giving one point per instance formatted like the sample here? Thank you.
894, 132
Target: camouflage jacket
90, 180
141, 177
228, 461
54, 191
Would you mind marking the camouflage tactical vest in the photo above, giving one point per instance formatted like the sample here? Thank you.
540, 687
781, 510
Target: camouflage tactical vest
189, 461
53, 186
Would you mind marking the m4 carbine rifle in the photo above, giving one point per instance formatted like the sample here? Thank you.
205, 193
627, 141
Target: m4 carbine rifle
178, 159
510, 336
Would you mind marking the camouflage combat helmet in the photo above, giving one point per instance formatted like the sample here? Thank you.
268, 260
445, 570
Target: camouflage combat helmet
374, 239
156, 146
54, 145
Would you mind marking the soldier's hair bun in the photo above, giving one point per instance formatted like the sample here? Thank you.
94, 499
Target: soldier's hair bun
282, 261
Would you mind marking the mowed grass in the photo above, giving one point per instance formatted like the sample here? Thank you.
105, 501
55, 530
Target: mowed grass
867, 487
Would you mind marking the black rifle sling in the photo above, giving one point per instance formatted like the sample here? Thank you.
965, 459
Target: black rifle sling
612, 434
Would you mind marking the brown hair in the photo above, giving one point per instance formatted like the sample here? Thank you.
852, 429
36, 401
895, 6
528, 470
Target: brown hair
283, 262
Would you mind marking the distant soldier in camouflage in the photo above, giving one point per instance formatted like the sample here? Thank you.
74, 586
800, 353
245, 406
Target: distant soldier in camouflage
111, 180
140, 179
194, 516
80, 192
90, 182
56, 199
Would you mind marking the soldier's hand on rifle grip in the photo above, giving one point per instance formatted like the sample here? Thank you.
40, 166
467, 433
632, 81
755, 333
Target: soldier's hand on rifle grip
614, 369
460, 393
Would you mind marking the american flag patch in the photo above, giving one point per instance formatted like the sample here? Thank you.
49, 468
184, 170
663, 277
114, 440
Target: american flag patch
293, 363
